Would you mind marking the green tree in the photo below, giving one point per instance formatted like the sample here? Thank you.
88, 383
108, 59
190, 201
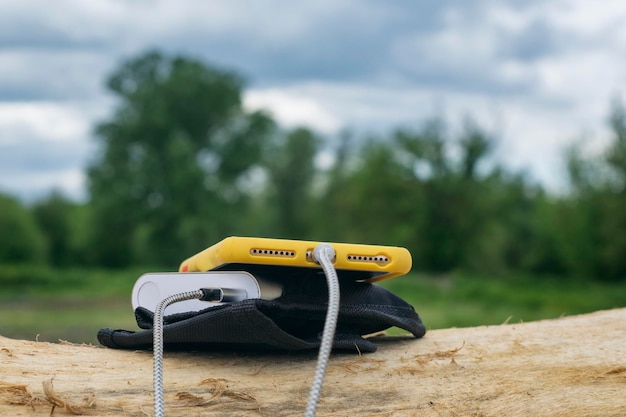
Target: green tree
407, 189
332, 201
614, 219
593, 217
168, 180
525, 215
53, 216
578, 215
452, 196
377, 202
21, 241
291, 167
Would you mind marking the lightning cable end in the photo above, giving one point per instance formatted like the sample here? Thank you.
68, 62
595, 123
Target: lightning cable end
223, 295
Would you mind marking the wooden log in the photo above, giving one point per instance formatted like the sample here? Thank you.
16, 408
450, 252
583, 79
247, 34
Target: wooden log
573, 366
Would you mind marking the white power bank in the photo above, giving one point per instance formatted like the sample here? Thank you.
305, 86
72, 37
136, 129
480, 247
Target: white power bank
151, 288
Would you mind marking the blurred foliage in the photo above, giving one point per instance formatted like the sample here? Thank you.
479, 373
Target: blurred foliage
173, 159
182, 164
62, 224
20, 238
291, 168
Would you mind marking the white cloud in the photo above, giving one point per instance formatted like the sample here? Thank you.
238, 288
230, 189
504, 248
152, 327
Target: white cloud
47, 120
531, 135
292, 109
33, 185
28, 74
587, 18
46, 145
541, 73
136, 24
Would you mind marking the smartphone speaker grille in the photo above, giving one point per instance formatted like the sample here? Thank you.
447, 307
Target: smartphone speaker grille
378, 259
280, 253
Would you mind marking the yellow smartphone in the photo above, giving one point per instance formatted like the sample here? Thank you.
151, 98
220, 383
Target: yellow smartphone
361, 262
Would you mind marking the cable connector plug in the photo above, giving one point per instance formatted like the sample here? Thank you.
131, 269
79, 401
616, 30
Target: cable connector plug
323, 251
223, 295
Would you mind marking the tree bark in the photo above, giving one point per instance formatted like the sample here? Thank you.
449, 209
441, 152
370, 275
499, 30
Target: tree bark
573, 366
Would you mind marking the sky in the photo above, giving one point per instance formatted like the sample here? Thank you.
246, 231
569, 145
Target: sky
539, 75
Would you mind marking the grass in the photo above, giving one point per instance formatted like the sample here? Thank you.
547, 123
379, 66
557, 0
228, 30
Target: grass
465, 300
50, 305
66, 318
46, 304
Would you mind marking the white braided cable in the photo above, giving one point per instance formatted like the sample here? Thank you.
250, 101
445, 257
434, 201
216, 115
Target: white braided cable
157, 345
324, 255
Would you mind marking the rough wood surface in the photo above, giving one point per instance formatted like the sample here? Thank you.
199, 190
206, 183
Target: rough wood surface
573, 366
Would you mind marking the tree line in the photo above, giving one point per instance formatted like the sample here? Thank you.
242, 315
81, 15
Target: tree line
182, 164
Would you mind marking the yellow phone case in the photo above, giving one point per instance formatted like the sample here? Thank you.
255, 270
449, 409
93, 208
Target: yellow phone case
376, 262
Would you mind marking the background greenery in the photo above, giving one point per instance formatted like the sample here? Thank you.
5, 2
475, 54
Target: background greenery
71, 304
181, 165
